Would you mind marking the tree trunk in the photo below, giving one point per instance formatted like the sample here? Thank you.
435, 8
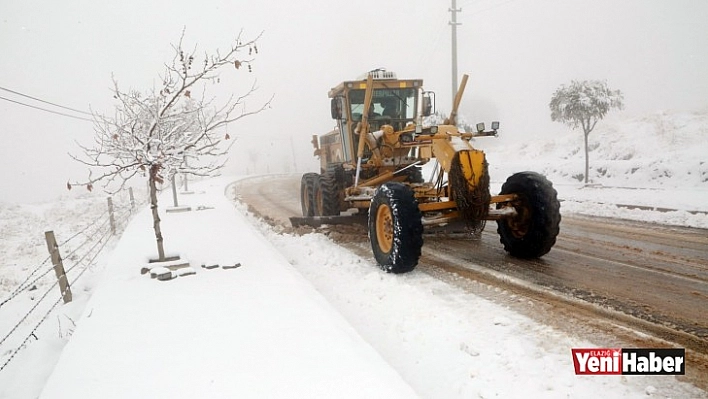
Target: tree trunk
587, 158
155, 215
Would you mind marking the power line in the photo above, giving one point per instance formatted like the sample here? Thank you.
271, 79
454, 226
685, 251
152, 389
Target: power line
46, 102
45, 110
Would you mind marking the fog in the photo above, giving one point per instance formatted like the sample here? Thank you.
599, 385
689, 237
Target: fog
516, 52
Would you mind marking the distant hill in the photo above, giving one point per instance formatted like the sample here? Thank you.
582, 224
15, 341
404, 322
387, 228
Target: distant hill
664, 149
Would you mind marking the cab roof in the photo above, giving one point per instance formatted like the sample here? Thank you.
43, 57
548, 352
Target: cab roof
378, 84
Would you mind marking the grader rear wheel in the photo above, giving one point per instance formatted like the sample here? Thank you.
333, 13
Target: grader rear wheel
316, 196
395, 228
331, 186
307, 185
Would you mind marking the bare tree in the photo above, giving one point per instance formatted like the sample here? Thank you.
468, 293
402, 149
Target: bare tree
152, 135
583, 104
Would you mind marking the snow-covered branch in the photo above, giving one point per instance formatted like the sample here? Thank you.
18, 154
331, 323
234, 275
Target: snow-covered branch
153, 133
583, 103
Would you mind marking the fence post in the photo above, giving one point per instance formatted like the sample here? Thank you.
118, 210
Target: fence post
58, 266
111, 215
132, 198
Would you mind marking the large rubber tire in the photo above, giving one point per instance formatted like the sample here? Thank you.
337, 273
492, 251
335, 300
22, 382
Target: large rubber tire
316, 196
395, 228
533, 231
332, 187
307, 184
414, 175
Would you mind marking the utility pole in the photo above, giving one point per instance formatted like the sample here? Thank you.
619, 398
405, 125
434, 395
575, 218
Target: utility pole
453, 23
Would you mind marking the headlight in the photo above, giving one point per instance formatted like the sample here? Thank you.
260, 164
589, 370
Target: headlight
407, 138
426, 131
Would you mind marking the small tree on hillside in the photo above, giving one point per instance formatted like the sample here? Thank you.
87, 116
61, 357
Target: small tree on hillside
584, 104
152, 134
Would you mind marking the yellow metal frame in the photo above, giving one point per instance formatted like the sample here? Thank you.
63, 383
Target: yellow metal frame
445, 145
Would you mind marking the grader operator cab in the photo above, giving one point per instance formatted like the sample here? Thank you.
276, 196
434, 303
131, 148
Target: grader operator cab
370, 166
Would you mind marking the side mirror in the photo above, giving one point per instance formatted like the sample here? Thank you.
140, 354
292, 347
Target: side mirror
428, 100
336, 108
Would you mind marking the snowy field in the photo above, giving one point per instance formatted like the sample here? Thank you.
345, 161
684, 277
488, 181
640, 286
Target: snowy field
266, 330
656, 161
34, 325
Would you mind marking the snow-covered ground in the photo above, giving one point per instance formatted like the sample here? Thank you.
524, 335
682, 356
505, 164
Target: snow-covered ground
657, 161
303, 317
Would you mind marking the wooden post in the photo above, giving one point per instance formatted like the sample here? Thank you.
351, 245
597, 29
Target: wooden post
111, 215
132, 198
58, 266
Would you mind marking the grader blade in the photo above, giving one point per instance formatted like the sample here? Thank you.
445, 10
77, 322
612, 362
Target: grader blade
319, 221
457, 228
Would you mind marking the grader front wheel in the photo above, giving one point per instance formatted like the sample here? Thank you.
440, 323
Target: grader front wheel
384, 228
395, 228
533, 231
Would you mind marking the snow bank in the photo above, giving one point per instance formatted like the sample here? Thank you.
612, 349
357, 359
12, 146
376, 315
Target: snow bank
257, 331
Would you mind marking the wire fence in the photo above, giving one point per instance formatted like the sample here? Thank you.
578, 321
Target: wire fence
79, 251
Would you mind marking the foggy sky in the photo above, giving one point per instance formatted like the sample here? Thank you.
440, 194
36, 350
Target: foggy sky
516, 53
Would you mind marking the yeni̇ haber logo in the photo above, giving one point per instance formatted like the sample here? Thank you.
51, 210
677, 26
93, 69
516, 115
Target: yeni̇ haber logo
628, 361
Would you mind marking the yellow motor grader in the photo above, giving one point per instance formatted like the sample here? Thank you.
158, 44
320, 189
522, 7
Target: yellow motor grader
371, 167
